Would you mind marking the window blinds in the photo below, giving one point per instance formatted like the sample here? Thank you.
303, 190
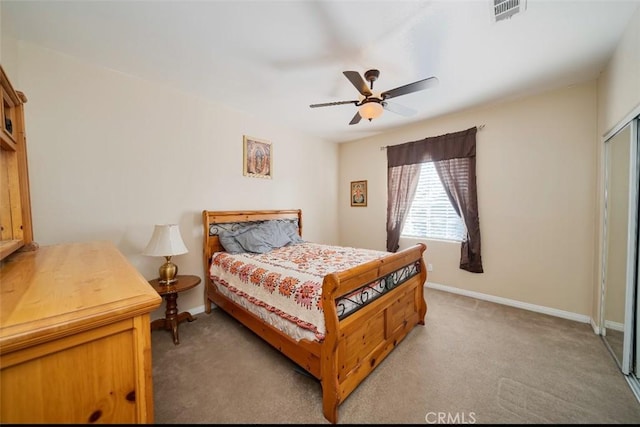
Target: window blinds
431, 214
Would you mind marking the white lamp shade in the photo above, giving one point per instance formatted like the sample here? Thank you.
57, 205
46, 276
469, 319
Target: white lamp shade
370, 110
165, 241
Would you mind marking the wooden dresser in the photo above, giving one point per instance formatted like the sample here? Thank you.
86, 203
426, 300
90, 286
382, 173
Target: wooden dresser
16, 229
75, 344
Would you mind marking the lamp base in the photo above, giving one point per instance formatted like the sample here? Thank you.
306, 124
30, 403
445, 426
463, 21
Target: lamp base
168, 272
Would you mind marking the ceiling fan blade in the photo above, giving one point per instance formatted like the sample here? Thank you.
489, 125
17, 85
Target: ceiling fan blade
356, 119
398, 109
356, 79
410, 88
327, 104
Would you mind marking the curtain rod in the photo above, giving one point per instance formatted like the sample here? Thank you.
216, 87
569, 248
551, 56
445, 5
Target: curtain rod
478, 127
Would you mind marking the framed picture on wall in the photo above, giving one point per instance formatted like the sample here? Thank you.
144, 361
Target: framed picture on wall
358, 193
257, 158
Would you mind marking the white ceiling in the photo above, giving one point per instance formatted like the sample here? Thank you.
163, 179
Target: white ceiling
272, 59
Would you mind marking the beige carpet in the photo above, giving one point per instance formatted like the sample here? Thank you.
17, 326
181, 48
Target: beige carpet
473, 362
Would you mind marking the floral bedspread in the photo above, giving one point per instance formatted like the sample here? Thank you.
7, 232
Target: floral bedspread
287, 281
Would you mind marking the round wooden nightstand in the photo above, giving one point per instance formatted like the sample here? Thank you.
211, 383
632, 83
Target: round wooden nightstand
170, 294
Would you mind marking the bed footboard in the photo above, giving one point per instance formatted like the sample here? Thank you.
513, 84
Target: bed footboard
356, 344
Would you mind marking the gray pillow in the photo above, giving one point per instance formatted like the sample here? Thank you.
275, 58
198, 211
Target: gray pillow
229, 242
263, 238
291, 230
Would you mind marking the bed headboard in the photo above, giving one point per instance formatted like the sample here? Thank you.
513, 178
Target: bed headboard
215, 221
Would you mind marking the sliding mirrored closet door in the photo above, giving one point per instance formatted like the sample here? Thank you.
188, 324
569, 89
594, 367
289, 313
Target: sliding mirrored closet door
620, 318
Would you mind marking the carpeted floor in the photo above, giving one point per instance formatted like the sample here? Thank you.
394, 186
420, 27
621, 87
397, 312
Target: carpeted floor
473, 362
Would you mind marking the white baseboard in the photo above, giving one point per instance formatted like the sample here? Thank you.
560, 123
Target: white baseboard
197, 310
505, 301
518, 304
615, 326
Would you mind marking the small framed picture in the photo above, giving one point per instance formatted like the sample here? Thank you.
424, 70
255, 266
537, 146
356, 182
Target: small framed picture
257, 157
358, 193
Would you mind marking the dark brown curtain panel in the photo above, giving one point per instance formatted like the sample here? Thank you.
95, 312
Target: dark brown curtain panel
454, 157
401, 187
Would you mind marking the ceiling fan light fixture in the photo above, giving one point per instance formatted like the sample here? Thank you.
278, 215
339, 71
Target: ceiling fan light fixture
370, 110
371, 105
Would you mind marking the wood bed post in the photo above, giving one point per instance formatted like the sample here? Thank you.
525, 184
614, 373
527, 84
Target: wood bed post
329, 360
422, 307
206, 256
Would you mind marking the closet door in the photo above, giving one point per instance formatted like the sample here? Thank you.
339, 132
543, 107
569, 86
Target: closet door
621, 242
635, 139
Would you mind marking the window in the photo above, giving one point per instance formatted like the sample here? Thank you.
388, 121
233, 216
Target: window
431, 214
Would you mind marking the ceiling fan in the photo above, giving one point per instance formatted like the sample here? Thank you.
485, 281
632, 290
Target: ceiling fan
371, 105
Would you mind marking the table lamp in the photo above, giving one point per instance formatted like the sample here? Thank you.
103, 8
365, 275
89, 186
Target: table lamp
167, 242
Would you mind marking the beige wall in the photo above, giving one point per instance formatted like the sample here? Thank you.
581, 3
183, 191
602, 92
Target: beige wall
536, 175
618, 97
111, 155
533, 251
619, 83
105, 149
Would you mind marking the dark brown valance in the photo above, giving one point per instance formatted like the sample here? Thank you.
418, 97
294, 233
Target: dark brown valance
444, 147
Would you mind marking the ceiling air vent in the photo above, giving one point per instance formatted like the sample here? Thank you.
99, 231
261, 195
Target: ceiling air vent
505, 9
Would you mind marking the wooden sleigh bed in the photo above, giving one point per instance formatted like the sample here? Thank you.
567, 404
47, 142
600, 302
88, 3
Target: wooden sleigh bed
353, 344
